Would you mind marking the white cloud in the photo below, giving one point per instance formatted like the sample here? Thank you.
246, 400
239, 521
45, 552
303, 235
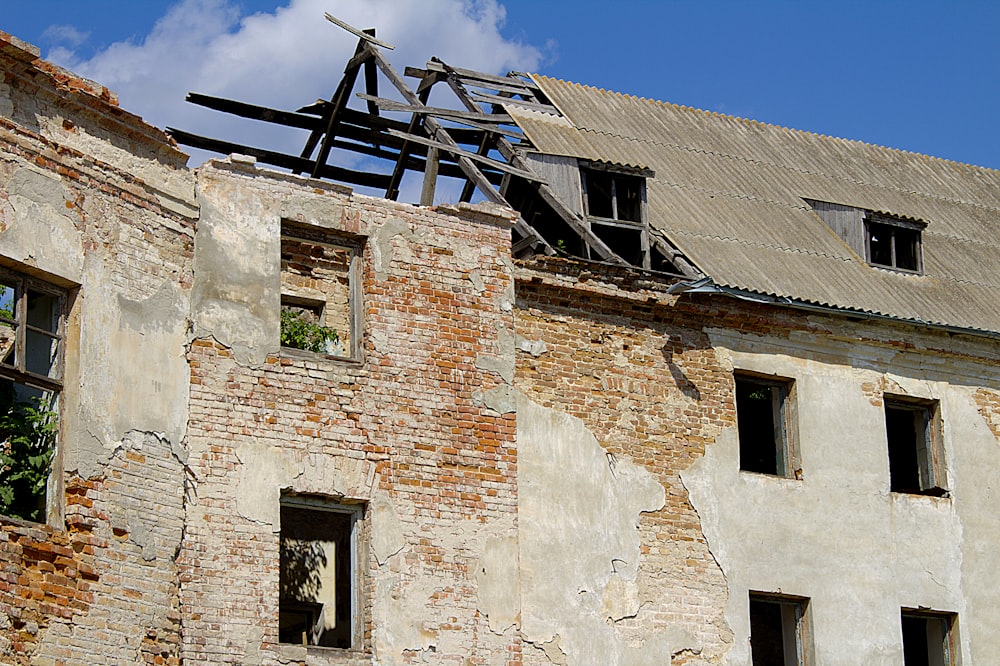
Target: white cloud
287, 58
65, 34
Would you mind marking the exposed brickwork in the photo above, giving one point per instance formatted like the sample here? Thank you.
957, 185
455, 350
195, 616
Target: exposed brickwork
402, 423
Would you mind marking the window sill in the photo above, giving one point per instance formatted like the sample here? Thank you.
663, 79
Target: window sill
302, 355
314, 654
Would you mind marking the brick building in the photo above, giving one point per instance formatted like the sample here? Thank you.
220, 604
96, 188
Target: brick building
727, 379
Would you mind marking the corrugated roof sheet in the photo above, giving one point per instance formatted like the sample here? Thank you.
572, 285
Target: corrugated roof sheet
730, 193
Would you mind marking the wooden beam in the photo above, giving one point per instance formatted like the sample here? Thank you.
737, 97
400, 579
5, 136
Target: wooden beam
455, 150
497, 99
430, 178
278, 159
339, 102
436, 65
366, 35
287, 118
392, 190
450, 114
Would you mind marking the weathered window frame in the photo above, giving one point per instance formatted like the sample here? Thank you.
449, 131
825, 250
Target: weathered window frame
783, 438
794, 629
927, 446
353, 515
20, 371
291, 297
899, 232
612, 228
914, 622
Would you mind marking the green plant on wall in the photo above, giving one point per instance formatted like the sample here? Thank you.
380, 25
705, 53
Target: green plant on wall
27, 440
299, 332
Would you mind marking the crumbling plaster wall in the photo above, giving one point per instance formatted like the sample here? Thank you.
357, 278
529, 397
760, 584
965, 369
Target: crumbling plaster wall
838, 536
618, 396
413, 428
111, 220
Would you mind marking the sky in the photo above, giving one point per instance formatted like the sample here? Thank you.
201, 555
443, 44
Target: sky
917, 75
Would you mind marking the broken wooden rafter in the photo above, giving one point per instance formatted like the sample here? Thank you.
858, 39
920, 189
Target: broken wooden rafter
366, 35
455, 150
287, 118
279, 159
439, 112
437, 65
468, 166
498, 99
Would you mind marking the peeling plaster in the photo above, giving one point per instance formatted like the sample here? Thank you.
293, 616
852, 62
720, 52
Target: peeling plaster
387, 530
380, 245
503, 363
502, 399
578, 517
476, 278
39, 203
497, 580
534, 347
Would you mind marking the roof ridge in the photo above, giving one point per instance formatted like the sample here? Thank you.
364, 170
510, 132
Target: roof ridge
752, 121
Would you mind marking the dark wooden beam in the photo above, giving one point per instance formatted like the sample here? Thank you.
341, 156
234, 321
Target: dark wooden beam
439, 112
254, 112
449, 147
279, 159
436, 65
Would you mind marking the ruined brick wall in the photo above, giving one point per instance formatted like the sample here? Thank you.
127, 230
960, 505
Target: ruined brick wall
95, 201
403, 430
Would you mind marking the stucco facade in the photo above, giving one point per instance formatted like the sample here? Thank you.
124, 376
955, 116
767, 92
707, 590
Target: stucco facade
530, 460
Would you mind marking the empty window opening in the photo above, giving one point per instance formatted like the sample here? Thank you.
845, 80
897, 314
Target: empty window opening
893, 243
613, 196
763, 419
777, 630
318, 599
320, 292
32, 321
915, 457
927, 639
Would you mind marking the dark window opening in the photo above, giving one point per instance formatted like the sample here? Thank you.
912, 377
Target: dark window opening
893, 245
539, 215
762, 419
915, 456
613, 196
625, 242
927, 639
320, 292
318, 569
32, 319
777, 636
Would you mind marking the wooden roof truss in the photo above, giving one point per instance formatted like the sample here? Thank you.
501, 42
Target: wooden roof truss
478, 143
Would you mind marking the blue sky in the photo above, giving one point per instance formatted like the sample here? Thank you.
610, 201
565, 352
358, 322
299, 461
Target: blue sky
918, 75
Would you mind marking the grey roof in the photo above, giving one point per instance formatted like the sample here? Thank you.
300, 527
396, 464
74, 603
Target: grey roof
730, 193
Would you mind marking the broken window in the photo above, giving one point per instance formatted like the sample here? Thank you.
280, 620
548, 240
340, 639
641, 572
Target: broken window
763, 416
614, 202
778, 634
320, 291
318, 590
893, 243
928, 638
916, 459
32, 322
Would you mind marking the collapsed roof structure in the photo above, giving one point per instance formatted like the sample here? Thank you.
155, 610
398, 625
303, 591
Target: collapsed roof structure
613, 178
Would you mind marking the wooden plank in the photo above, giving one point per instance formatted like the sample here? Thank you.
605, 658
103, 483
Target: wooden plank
243, 110
371, 84
392, 189
279, 159
455, 150
339, 102
363, 34
497, 99
430, 178
451, 114
436, 65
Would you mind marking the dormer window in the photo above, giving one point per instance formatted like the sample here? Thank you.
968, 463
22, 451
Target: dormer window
614, 203
893, 243
884, 240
